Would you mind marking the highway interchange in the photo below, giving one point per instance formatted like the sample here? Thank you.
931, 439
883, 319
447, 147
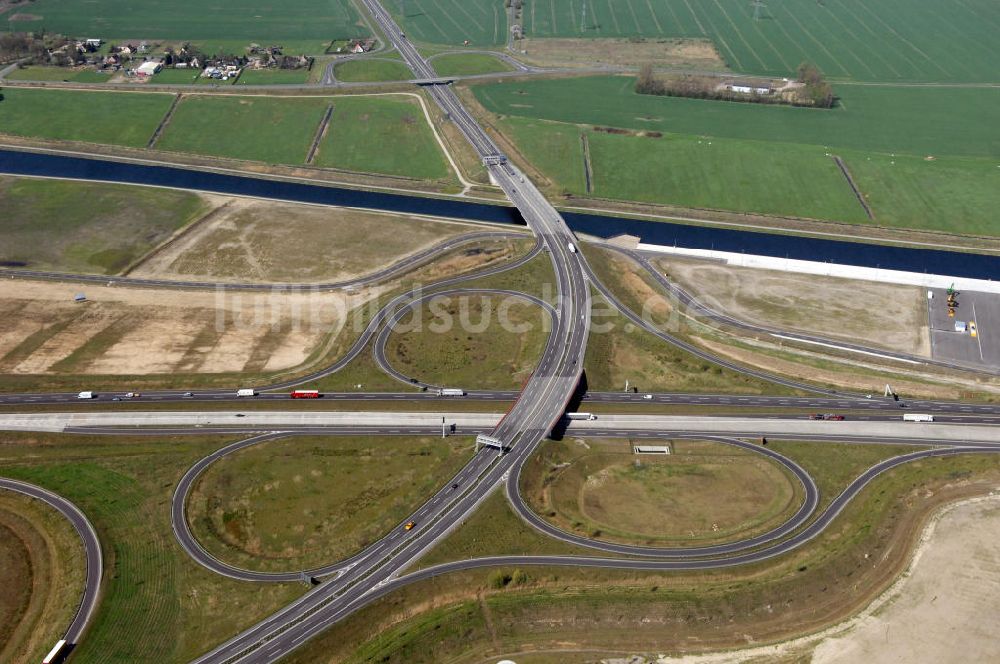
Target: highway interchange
537, 410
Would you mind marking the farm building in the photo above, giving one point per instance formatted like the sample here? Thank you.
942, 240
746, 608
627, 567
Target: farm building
149, 68
749, 88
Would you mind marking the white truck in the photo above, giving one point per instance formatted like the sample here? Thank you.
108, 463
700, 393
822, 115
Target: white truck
571, 246
914, 417
581, 416
246, 392
86, 395
451, 392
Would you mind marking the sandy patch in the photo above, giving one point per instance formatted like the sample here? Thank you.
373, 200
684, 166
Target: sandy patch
942, 609
155, 345
91, 322
264, 241
882, 315
162, 330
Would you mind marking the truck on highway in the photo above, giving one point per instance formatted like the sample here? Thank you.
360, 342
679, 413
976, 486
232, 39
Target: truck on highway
571, 246
915, 417
86, 395
246, 392
451, 392
55, 655
305, 394
581, 416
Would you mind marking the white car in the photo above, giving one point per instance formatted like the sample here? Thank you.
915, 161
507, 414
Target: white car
647, 397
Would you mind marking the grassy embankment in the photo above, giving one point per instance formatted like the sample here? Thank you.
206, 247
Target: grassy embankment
42, 575
158, 604
601, 489
306, 502
474, 342
85, 227
492, 613
468, 64
371, 70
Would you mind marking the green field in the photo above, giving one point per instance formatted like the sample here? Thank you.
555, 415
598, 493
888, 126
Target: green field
273, 77
923, 157
915, 120
371, 71
482, 22
118, 118
58, 74
692, 172
176, 76
305, 502
381, 134
468, 64
475, 341
321, 20
83, 227
273, 130
920, 40
157, 604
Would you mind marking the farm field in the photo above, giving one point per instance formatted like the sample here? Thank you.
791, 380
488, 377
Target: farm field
464, 340
172, 76
370, 70
35, 73
273, 130
85, 227
482, 22
381, 134
468, 64
933, 172
157, 605
265, 241
305, 502
273, 77
914, 120
116, 118
320, 20
921, 40
957, 194
689, 171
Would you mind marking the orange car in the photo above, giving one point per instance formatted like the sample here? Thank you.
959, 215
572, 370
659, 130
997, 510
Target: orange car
409, 525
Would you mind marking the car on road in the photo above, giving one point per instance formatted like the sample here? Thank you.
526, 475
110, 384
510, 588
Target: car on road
132, 395
188, 395
409, 525
816, 416
116, 398
972, 329
647, 397
835, 418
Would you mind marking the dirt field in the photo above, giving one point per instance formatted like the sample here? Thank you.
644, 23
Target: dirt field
664, 52
249, 240
887, 316
146, 331
940, 610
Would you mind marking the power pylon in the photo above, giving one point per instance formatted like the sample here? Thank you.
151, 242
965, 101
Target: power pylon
758, 6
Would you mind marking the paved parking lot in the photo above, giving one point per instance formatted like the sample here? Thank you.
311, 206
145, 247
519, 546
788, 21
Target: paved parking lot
980, 309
